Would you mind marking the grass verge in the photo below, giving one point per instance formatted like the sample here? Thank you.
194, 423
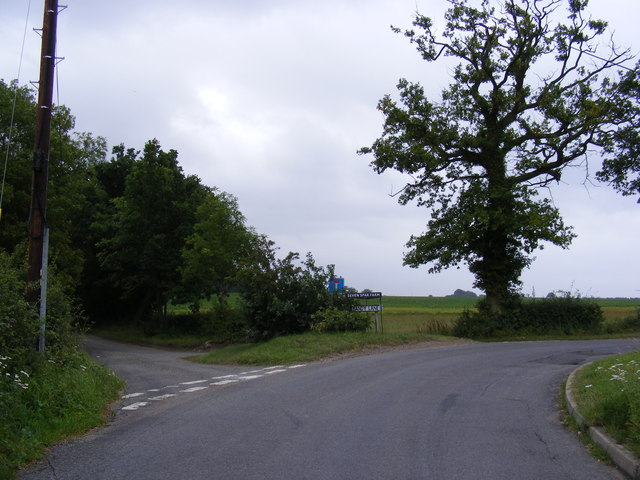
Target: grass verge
307, 347
607, 393
581, 431
56, 399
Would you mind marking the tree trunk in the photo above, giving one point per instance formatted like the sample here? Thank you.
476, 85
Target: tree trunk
499, 267
143, 306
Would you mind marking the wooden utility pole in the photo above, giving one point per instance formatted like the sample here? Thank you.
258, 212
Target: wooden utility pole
37, 212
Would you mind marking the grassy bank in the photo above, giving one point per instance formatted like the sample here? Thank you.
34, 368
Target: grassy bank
307, 347
608, 394
56, 398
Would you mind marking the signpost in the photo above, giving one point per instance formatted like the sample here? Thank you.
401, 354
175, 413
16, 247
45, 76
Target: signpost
367, 308
336, 284
375, 308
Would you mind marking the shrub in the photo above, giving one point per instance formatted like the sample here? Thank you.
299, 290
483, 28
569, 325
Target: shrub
43, 396
631, 323
279, 296
332, 319
18, 322
563, 315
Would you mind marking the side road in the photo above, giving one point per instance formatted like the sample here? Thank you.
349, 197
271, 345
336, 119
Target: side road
620, 456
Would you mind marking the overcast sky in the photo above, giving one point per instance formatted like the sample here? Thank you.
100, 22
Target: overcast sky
271, 99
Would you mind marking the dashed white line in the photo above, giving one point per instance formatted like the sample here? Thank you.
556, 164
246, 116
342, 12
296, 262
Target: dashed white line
135, 406
221, 380
133, 395
193, 389
162, 397
225, 382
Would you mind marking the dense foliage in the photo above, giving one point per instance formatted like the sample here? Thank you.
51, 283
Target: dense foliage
561, 315
281, 295
133, 232
333, 319
528, 100
43, 397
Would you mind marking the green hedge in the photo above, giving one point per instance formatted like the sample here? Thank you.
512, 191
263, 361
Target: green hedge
332, 319
564, 315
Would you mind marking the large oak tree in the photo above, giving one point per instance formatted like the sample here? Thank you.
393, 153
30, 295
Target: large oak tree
534, 92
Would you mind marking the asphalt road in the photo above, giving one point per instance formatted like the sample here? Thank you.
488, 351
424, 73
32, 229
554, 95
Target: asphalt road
476, 411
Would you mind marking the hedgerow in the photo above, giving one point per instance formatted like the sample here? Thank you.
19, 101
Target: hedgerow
562, 315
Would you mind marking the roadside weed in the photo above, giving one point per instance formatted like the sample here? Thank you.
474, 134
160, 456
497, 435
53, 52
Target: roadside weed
608, 395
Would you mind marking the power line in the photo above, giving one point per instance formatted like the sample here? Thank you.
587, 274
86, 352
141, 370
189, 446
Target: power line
13, 108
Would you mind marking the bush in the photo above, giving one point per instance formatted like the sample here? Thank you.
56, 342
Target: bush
18, 322
43, 396
332, 319
279, 296
561, 315
564, 315
631, 323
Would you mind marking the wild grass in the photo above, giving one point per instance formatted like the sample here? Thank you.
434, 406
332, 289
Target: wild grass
48, 401
422, 323
608, 394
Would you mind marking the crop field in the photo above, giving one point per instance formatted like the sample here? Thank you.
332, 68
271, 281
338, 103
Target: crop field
437, 315
427, 315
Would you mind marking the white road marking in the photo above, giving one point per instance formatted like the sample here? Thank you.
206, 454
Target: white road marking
249, 377
271, 372
132, 395
162, 397
135, 406
225, 382
221, 380
193, 389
